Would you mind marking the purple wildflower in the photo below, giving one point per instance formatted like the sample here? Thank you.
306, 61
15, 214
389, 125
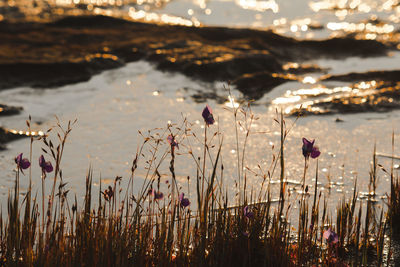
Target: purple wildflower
309, 149
22, 164
183, 201
172, 141
158, 195
331, 236
248, 213
208, 116
45, 165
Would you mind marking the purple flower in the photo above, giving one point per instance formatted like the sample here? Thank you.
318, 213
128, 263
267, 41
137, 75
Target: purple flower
183, 201
309, 149
158, 195
45, 165
22, 164
172, 141
208, 116
248, 213
331, 236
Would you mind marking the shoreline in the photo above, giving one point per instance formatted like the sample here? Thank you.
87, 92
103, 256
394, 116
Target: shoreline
73, 49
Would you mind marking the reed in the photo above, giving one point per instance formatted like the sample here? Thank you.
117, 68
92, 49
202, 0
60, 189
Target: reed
153, 224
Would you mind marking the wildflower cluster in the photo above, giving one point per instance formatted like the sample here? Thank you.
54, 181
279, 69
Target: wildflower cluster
138, 228
23, 163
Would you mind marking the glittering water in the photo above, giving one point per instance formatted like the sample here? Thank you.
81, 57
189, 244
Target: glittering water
112, 107
367, 19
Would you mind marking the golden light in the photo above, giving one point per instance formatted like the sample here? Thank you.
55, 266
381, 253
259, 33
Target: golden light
291, 65
294, 28
286, 100
309, 79
231, 103
259, 5
142, 15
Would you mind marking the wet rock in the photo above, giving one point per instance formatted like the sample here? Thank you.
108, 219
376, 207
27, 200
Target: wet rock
374, 91
255, 85
73, 49
203, 97
50, 75
9, 110
387, 76
345, 47
7, 136
44, 75
382, 99
89, 22
315, 26
227, 70
299, 69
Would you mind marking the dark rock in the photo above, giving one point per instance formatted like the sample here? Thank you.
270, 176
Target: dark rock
383, 99
203, 97
7, 136
55, 54
9, 110
345, 47
48, 75
339, 120
90, 22
255, 85
304, 69
388, 76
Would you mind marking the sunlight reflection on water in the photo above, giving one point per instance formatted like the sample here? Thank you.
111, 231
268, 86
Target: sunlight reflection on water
142, 98
106, 135
305, 19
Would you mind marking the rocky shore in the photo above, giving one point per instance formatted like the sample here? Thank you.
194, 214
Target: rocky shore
73, 49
